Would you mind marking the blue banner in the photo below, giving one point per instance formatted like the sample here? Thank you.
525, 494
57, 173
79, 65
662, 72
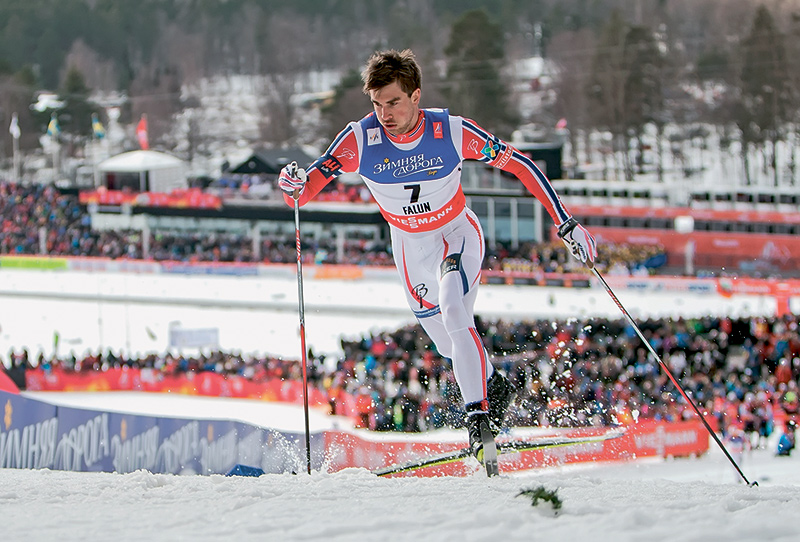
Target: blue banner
28, 434
39, 435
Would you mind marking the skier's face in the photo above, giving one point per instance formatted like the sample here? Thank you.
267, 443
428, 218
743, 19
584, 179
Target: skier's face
396, 111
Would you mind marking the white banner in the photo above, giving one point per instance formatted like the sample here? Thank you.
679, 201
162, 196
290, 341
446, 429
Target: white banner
193, 338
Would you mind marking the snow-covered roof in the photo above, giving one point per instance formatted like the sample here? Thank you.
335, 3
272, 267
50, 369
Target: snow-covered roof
135, 161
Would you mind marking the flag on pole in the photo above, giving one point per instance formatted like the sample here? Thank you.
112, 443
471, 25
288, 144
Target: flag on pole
13, 129
52, 128
97, 127
141, 133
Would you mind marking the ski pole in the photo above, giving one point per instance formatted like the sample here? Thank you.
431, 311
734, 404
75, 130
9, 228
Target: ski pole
301, 306
668, 372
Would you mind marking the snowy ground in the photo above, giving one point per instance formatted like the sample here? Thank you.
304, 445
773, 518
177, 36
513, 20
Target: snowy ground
134, 314
689, 499
686, 499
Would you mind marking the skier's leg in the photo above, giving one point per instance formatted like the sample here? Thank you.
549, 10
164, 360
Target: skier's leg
457, 293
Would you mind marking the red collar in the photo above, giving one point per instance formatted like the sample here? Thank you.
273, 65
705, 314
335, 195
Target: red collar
413, 135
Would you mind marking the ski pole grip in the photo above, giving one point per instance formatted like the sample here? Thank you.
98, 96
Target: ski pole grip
293, 171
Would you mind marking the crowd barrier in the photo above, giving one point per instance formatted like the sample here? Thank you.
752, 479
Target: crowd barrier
782, 290
38, 435
204, 383
642, 440
725, 286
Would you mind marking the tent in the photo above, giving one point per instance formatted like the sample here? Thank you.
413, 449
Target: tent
271, 161
143, 171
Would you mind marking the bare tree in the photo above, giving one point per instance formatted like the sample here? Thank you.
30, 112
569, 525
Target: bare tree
609, 76
98, 72
765, 90
280, 81
570, 52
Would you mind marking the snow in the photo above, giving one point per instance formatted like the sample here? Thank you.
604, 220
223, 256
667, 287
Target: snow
682, 499
679, 499
134, 313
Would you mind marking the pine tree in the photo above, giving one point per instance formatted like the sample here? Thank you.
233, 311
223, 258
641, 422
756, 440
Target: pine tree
764, 90
474, 88
643, 88
77, 113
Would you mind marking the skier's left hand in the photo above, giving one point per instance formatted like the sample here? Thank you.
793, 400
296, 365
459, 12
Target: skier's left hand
578, 240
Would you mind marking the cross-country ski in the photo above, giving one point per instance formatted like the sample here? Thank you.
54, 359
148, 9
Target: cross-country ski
502, 447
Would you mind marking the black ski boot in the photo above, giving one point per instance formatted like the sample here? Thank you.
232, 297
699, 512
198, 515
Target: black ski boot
481, 439
501, 393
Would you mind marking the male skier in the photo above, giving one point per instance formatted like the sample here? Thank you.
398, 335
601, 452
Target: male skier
410, 159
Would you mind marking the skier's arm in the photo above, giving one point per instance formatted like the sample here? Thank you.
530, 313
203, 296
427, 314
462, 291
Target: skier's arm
478, 144
341, 157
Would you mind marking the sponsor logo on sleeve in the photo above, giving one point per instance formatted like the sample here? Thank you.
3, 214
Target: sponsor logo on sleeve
346, 154
505, 157
491, 148
329, 166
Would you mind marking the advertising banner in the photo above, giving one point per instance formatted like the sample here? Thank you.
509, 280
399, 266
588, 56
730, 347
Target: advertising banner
28, 433
203, 383
647, 439
38, 435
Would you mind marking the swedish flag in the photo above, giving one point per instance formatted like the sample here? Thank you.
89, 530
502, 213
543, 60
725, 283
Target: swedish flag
52, 128
97, 127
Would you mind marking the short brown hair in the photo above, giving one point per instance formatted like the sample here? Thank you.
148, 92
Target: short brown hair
385, 67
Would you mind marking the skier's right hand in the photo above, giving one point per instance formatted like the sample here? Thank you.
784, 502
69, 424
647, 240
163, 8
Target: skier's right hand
292, 180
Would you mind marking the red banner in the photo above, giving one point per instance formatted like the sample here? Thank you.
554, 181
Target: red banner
645, 439
189, 198
203, 383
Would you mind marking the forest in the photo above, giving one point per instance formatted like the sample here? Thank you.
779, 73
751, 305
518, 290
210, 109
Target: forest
622, 67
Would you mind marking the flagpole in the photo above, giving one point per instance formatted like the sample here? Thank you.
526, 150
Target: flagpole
55, 161
98, 133
52, 130
95, 152
15, 133
16, 161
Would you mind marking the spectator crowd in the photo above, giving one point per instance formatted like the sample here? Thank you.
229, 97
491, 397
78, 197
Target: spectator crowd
569, 373
41, 220
744, 372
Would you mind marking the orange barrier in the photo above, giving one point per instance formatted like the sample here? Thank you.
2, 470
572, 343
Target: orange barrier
346, 272
645, 439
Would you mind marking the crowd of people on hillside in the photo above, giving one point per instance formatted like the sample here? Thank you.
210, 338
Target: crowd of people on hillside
570, 373
41, 220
